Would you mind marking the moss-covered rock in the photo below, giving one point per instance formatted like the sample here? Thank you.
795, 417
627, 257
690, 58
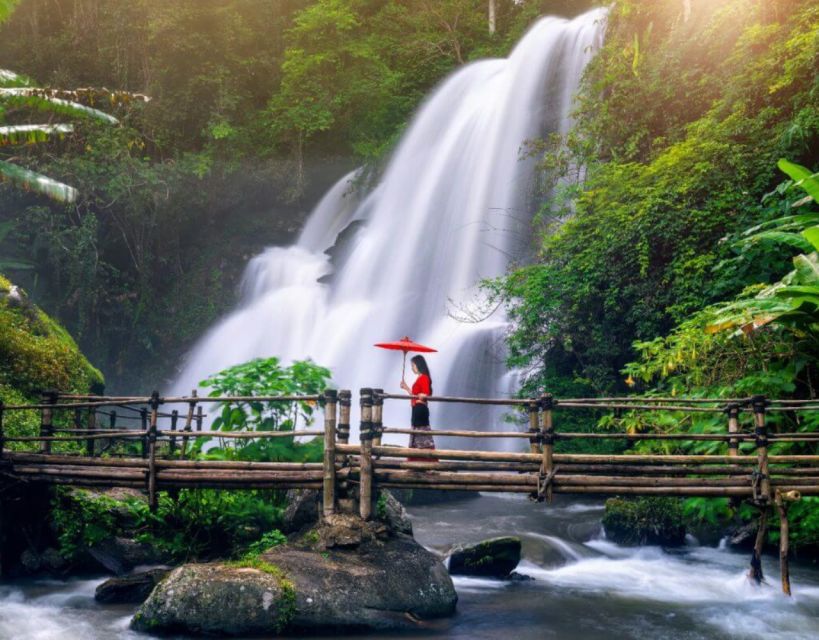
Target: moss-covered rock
495, 558
218, 599
376, 580
657, 521
36, 353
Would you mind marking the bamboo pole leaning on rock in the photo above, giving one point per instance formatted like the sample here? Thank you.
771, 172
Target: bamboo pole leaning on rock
329, 470
365, 489
152, 499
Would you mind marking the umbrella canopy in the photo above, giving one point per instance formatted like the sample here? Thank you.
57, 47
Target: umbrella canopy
405, 344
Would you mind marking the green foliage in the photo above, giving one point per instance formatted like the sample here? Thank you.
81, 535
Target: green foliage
270, 539
676, 158
6, 7
81, 521
266, 377
197, 525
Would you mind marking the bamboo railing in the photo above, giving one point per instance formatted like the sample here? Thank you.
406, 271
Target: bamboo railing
743, 469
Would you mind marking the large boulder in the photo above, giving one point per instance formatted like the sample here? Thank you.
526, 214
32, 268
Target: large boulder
347, 576
132, 589
493, 558
217, 599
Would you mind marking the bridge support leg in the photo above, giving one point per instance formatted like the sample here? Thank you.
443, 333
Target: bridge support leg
756, 558
329, 505
152, 499
783, 545
365, 495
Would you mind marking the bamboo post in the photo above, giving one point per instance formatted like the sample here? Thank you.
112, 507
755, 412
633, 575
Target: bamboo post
547, 432
344, 402
91, 427
77, 420
47, 420
188, 422
152, 501
172, 444
378, 413
761, 432
534, 447
329, 506
143, 414
199, 418
733, 427
783, 543
366, 458
756, 557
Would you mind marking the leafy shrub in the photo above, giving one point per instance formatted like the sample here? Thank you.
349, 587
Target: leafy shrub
266, 377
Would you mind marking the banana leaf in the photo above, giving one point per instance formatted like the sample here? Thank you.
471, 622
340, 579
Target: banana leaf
33, 97
37, 182
32, 133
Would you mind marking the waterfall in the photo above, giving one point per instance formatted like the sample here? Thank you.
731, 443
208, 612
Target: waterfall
452, 207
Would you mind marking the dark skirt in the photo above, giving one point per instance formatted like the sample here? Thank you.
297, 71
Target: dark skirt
420, 421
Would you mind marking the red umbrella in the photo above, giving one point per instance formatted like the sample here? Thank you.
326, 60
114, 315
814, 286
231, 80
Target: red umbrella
405, 344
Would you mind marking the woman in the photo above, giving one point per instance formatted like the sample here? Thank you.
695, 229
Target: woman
422, 387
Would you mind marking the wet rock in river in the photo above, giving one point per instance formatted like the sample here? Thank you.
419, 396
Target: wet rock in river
347, 575
493, 558
132, 589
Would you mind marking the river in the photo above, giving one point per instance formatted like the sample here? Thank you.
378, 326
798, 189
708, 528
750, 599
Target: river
583, 586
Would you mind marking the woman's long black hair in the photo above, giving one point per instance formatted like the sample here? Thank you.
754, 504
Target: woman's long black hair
419, 362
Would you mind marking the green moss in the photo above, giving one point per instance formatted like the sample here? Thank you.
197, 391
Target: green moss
657, 521
36, 353
286, 606
310, 538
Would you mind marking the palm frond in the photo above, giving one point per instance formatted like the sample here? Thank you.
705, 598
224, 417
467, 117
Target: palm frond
30, 96
32, 133
37, 182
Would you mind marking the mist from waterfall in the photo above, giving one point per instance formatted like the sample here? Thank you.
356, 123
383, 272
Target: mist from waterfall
453, 207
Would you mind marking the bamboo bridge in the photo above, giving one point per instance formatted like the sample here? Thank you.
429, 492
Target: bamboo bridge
119, 441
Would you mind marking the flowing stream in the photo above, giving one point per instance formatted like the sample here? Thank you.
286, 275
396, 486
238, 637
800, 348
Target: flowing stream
452, 207
583, 587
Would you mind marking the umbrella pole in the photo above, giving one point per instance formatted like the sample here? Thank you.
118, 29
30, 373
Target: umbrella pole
404, 367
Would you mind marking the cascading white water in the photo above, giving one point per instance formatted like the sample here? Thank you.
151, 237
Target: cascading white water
453, 207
